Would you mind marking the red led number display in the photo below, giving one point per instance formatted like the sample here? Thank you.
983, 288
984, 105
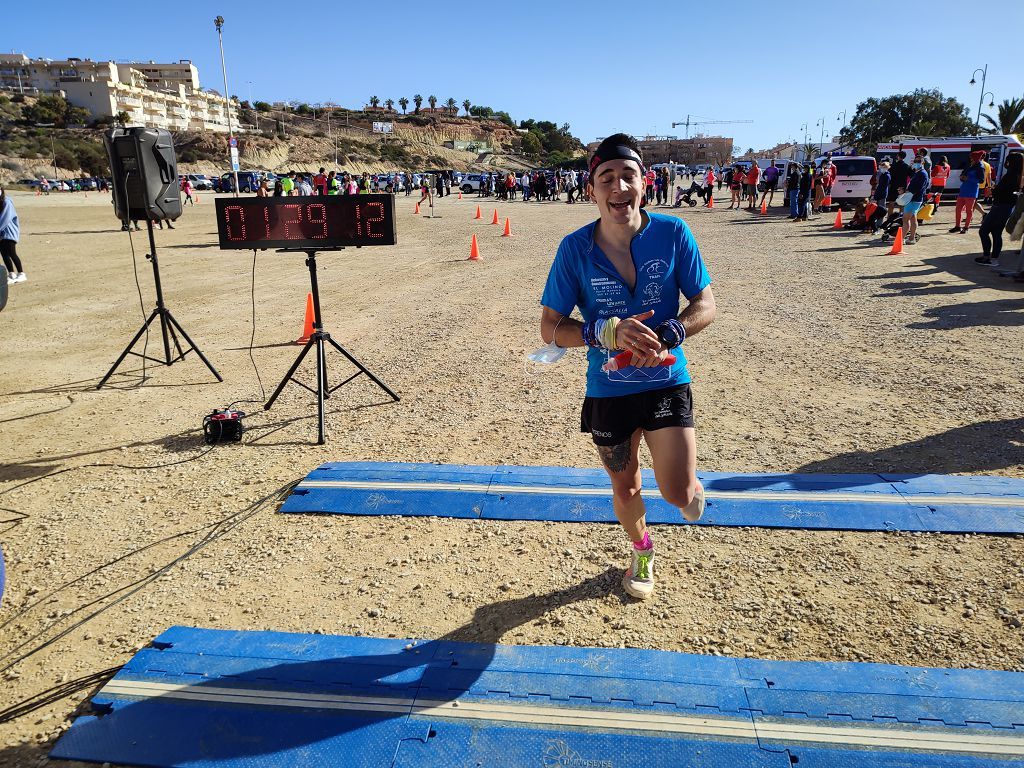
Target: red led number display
308, 222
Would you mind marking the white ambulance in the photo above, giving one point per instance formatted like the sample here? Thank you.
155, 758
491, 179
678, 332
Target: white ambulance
957, 151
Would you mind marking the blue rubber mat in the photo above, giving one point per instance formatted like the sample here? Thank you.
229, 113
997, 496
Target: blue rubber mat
939, 503
220, 698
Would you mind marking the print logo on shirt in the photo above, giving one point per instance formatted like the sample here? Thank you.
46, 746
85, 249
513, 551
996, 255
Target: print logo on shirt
610, 294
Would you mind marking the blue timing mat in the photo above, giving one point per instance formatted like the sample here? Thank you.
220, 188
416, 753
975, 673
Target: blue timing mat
939, 503
252, 699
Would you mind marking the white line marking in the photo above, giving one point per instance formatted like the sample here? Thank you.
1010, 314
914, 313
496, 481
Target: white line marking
818, 496
903, 737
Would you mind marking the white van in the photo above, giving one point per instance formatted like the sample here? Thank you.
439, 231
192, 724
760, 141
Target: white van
853, 178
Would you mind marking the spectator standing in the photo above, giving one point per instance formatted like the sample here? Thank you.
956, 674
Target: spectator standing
753, 176
320, 182
918, 188
881, 197
940, 174
709, 186
186, 187
803, 202
10, 233
771, 183
263, 191
1004, 198
899, 175
970, 183
288, 184
525, 182
736, 181
303, 187
793, 189
828, 170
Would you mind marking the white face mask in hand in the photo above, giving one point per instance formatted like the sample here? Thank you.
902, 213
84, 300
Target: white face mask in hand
549, 353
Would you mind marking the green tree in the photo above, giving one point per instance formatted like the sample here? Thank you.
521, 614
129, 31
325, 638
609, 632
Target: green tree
451, 105
374, 101
418, 101
47, 109
466, 104
390, 104
879, 120
532, 144
478, 110
303, 109
122, 118
262, 106
404, 104
1009, 117
432, 100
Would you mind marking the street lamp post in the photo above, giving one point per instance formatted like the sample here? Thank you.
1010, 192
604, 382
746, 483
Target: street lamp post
821, 141
984, 74
53, 152
219, 22
803, 149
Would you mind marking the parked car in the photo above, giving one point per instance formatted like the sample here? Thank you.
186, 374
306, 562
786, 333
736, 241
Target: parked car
248, 181
470, 183
200, 182
853, 178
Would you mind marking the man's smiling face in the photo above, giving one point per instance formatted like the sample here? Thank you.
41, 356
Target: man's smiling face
618, 188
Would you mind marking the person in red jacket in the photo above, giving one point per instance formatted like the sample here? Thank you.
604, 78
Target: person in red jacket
750, 185
940, 174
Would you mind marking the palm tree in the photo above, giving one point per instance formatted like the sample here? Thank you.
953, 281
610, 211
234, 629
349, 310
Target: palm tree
374, 102
432, 100
451, 106
810, 152
390, 104
418, 101
403, 103
466, 105
1010, 117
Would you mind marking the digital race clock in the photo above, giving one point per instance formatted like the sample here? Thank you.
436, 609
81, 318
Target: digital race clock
318, 222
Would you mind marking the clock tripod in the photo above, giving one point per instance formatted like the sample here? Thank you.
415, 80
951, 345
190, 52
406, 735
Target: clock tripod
319, 339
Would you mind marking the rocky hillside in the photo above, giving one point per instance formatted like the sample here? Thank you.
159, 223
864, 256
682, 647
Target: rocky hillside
284, 141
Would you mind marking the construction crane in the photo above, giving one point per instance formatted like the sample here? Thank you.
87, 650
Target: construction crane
687, 123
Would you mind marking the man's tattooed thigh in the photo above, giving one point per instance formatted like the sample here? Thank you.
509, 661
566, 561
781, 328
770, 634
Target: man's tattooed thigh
615, 457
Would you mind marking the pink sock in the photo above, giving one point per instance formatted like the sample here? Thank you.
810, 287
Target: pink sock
644, 543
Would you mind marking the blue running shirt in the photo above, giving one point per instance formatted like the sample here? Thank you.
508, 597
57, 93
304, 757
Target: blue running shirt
667, 262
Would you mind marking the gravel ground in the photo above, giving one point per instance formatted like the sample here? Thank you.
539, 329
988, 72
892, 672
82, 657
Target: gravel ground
827, 356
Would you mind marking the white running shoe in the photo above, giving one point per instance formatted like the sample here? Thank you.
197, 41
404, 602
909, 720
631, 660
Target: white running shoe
20, 278
693, 511
639, 579
11, 280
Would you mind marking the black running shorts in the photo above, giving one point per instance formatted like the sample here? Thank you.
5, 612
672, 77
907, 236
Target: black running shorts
613, 420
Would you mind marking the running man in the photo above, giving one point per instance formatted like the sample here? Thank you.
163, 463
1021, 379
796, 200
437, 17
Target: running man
625, 273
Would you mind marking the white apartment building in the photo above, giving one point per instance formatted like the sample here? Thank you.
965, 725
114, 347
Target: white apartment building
152, 94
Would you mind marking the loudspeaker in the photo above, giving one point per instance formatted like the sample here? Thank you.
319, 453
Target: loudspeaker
145, 173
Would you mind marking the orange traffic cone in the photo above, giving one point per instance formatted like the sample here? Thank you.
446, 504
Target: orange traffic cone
479, 214
197, 197
764, 207
897, 246
508, 228
474, 251
495, 219
711, 202
38, 193
460, 194
417, 211
826, 202
307, 331
839, 220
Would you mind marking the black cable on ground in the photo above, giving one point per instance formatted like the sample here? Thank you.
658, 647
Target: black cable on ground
219, 529
56, 693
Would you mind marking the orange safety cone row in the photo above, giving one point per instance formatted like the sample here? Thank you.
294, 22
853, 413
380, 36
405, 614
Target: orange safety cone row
307, 330
764, 207
474, 251
839, 220
494, 220
479, 213
417, 211
508, 228
897, 246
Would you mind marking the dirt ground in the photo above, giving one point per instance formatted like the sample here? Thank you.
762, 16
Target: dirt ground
827, 356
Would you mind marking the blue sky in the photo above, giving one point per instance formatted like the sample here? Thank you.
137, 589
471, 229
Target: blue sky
600, 66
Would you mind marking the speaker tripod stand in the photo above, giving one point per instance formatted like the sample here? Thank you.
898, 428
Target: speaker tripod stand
168, 324
318, 339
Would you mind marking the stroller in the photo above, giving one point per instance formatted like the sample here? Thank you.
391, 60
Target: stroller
687, 196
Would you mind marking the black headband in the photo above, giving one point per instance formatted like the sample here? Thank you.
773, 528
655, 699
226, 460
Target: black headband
618, 152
